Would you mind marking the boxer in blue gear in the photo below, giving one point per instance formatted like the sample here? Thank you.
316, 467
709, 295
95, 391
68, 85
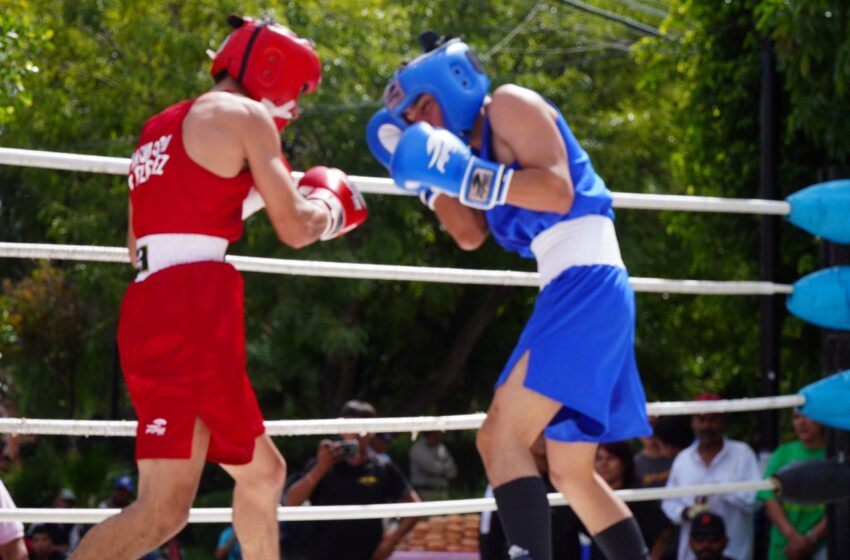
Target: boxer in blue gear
572, 374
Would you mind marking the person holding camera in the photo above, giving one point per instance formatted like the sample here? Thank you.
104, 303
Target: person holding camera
345, 472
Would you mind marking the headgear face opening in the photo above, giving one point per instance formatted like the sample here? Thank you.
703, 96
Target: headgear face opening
453, 75
271, 62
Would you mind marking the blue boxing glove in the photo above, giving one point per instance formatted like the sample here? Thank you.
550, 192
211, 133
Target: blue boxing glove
382, 134
428, 157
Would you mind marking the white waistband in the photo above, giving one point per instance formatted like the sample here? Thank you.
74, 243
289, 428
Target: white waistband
161, 250
584, 241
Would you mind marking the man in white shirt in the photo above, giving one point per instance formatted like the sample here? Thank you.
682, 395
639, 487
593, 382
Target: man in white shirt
713, 459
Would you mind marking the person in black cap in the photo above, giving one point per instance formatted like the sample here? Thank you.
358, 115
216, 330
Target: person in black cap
708, 537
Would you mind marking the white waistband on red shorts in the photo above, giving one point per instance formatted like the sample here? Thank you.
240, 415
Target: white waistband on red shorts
162, 250
583, 241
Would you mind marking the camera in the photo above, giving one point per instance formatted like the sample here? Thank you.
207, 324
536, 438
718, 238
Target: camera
350, 447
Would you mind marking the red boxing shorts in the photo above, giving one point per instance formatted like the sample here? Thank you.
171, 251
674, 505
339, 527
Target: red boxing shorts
181, 338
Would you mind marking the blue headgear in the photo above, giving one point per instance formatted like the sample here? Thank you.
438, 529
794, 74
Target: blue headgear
453, 75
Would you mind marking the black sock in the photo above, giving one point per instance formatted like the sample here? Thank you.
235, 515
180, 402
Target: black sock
622, 541
524, 513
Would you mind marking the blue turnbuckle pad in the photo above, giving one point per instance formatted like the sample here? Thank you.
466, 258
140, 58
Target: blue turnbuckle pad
823, 298
823, 210
828, 401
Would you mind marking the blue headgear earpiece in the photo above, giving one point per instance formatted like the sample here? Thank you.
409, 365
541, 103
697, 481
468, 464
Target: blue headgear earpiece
453, 75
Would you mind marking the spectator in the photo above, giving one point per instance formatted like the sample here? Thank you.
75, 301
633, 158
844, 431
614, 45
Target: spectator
714, 459
65, 536
379, 444
345, 473
123, 490
652, 466
123, 494
673, 434
12, 545
492, 541
708, 537
798, 531
614, 463
431, 466
42, 546
228, 547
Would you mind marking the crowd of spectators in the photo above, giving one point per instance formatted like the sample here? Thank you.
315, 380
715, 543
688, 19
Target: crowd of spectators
358, 468
686, 451
56, 541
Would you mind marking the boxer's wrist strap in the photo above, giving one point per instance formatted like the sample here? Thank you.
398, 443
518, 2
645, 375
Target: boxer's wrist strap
429, 197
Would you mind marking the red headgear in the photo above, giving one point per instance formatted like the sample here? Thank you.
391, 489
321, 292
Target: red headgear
271, 62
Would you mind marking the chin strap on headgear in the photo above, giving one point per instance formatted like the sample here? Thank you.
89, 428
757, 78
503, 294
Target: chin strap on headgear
272, 64
451, 73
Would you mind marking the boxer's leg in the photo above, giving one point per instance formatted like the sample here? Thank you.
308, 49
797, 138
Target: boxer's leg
167, 488
514, 421
571, 469
255, 499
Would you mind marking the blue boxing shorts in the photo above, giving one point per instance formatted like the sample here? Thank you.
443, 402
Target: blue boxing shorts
580, 340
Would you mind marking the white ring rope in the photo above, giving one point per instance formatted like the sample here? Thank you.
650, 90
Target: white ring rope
376, 511
127, 428
375, 185
119, 166
393, 272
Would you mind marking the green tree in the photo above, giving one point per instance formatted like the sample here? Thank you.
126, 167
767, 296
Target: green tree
675, 114
43, 325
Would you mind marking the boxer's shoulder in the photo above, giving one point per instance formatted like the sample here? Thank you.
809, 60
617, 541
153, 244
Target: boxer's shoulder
510, 100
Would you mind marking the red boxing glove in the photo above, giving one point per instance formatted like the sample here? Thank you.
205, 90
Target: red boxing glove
331, 189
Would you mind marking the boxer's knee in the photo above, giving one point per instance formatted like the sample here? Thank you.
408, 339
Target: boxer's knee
571, 465
265, 474
270, 476
570, 477
163, 517
497, 438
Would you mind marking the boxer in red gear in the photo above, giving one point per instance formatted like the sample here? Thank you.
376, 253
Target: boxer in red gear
181, 332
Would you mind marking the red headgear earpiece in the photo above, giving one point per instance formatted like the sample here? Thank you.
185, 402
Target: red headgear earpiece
271, 62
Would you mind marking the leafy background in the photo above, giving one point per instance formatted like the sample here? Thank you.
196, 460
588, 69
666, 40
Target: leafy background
663, 95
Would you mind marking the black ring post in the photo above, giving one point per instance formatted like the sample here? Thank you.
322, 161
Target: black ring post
772, 313
835, 351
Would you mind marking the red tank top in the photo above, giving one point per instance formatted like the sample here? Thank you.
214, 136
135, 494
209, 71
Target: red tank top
171, 193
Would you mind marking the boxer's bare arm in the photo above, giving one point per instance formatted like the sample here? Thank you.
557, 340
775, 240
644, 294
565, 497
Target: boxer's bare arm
223, 133
14, 550
525, 130
467, 226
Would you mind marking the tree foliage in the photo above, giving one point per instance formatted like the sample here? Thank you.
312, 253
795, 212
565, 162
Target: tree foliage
813, 47
675, 114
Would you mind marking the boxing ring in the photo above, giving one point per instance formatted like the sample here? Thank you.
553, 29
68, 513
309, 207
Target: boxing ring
822, 210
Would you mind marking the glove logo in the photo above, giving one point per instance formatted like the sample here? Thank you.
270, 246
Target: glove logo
440, 151
480, 185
